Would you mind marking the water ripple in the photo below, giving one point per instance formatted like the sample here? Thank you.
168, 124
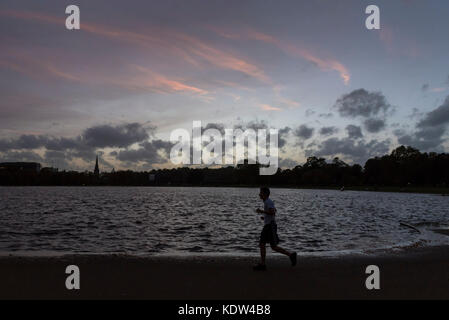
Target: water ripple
144, 220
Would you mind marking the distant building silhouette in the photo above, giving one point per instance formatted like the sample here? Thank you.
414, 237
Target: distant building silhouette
20, 166
49, 170
96, 170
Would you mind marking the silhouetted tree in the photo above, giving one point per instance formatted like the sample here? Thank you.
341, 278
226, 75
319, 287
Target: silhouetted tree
405, 166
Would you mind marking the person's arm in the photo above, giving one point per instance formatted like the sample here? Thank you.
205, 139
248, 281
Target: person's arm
270, 211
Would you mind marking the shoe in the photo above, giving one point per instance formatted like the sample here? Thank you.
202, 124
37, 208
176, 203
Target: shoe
260, 267
293, 258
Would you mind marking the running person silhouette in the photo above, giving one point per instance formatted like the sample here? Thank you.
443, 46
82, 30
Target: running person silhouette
269, 231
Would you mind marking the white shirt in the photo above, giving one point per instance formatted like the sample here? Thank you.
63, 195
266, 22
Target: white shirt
268, 204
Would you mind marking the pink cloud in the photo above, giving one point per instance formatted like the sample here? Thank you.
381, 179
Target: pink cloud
189, 48
325, 64
133, 78
290, 103
267, 107
438, 89
158, 82
220, 58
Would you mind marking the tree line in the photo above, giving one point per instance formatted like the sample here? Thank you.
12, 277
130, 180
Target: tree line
404, 167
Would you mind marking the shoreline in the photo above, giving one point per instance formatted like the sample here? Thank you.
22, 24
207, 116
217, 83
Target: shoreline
414, 273
198, 254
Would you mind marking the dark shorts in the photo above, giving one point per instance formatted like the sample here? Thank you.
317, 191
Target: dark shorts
269, 234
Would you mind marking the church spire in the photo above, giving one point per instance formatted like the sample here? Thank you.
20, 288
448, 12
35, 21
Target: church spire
96, 170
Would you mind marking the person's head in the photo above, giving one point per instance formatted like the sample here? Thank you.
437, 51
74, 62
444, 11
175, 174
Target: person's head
264, 193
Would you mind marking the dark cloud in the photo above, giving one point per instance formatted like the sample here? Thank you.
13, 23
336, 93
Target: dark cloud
148, 152
102, 136
437, 117
12, 156
115, 136
327, 131
357, 151
428, 139
34, 142
283, 134
374, 125
161, 145
257, 125
24, 142
430, 130
354, 132
303, 132
30, 142
59, 144
362, 103
58, 151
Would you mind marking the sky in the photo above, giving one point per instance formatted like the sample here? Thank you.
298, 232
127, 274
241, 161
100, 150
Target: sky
137, 70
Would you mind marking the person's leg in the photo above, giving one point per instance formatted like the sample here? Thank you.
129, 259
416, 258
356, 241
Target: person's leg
280, 250
263, 253
274, 240
291, 255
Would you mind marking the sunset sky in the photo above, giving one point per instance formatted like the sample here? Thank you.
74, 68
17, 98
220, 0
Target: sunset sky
136, 70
